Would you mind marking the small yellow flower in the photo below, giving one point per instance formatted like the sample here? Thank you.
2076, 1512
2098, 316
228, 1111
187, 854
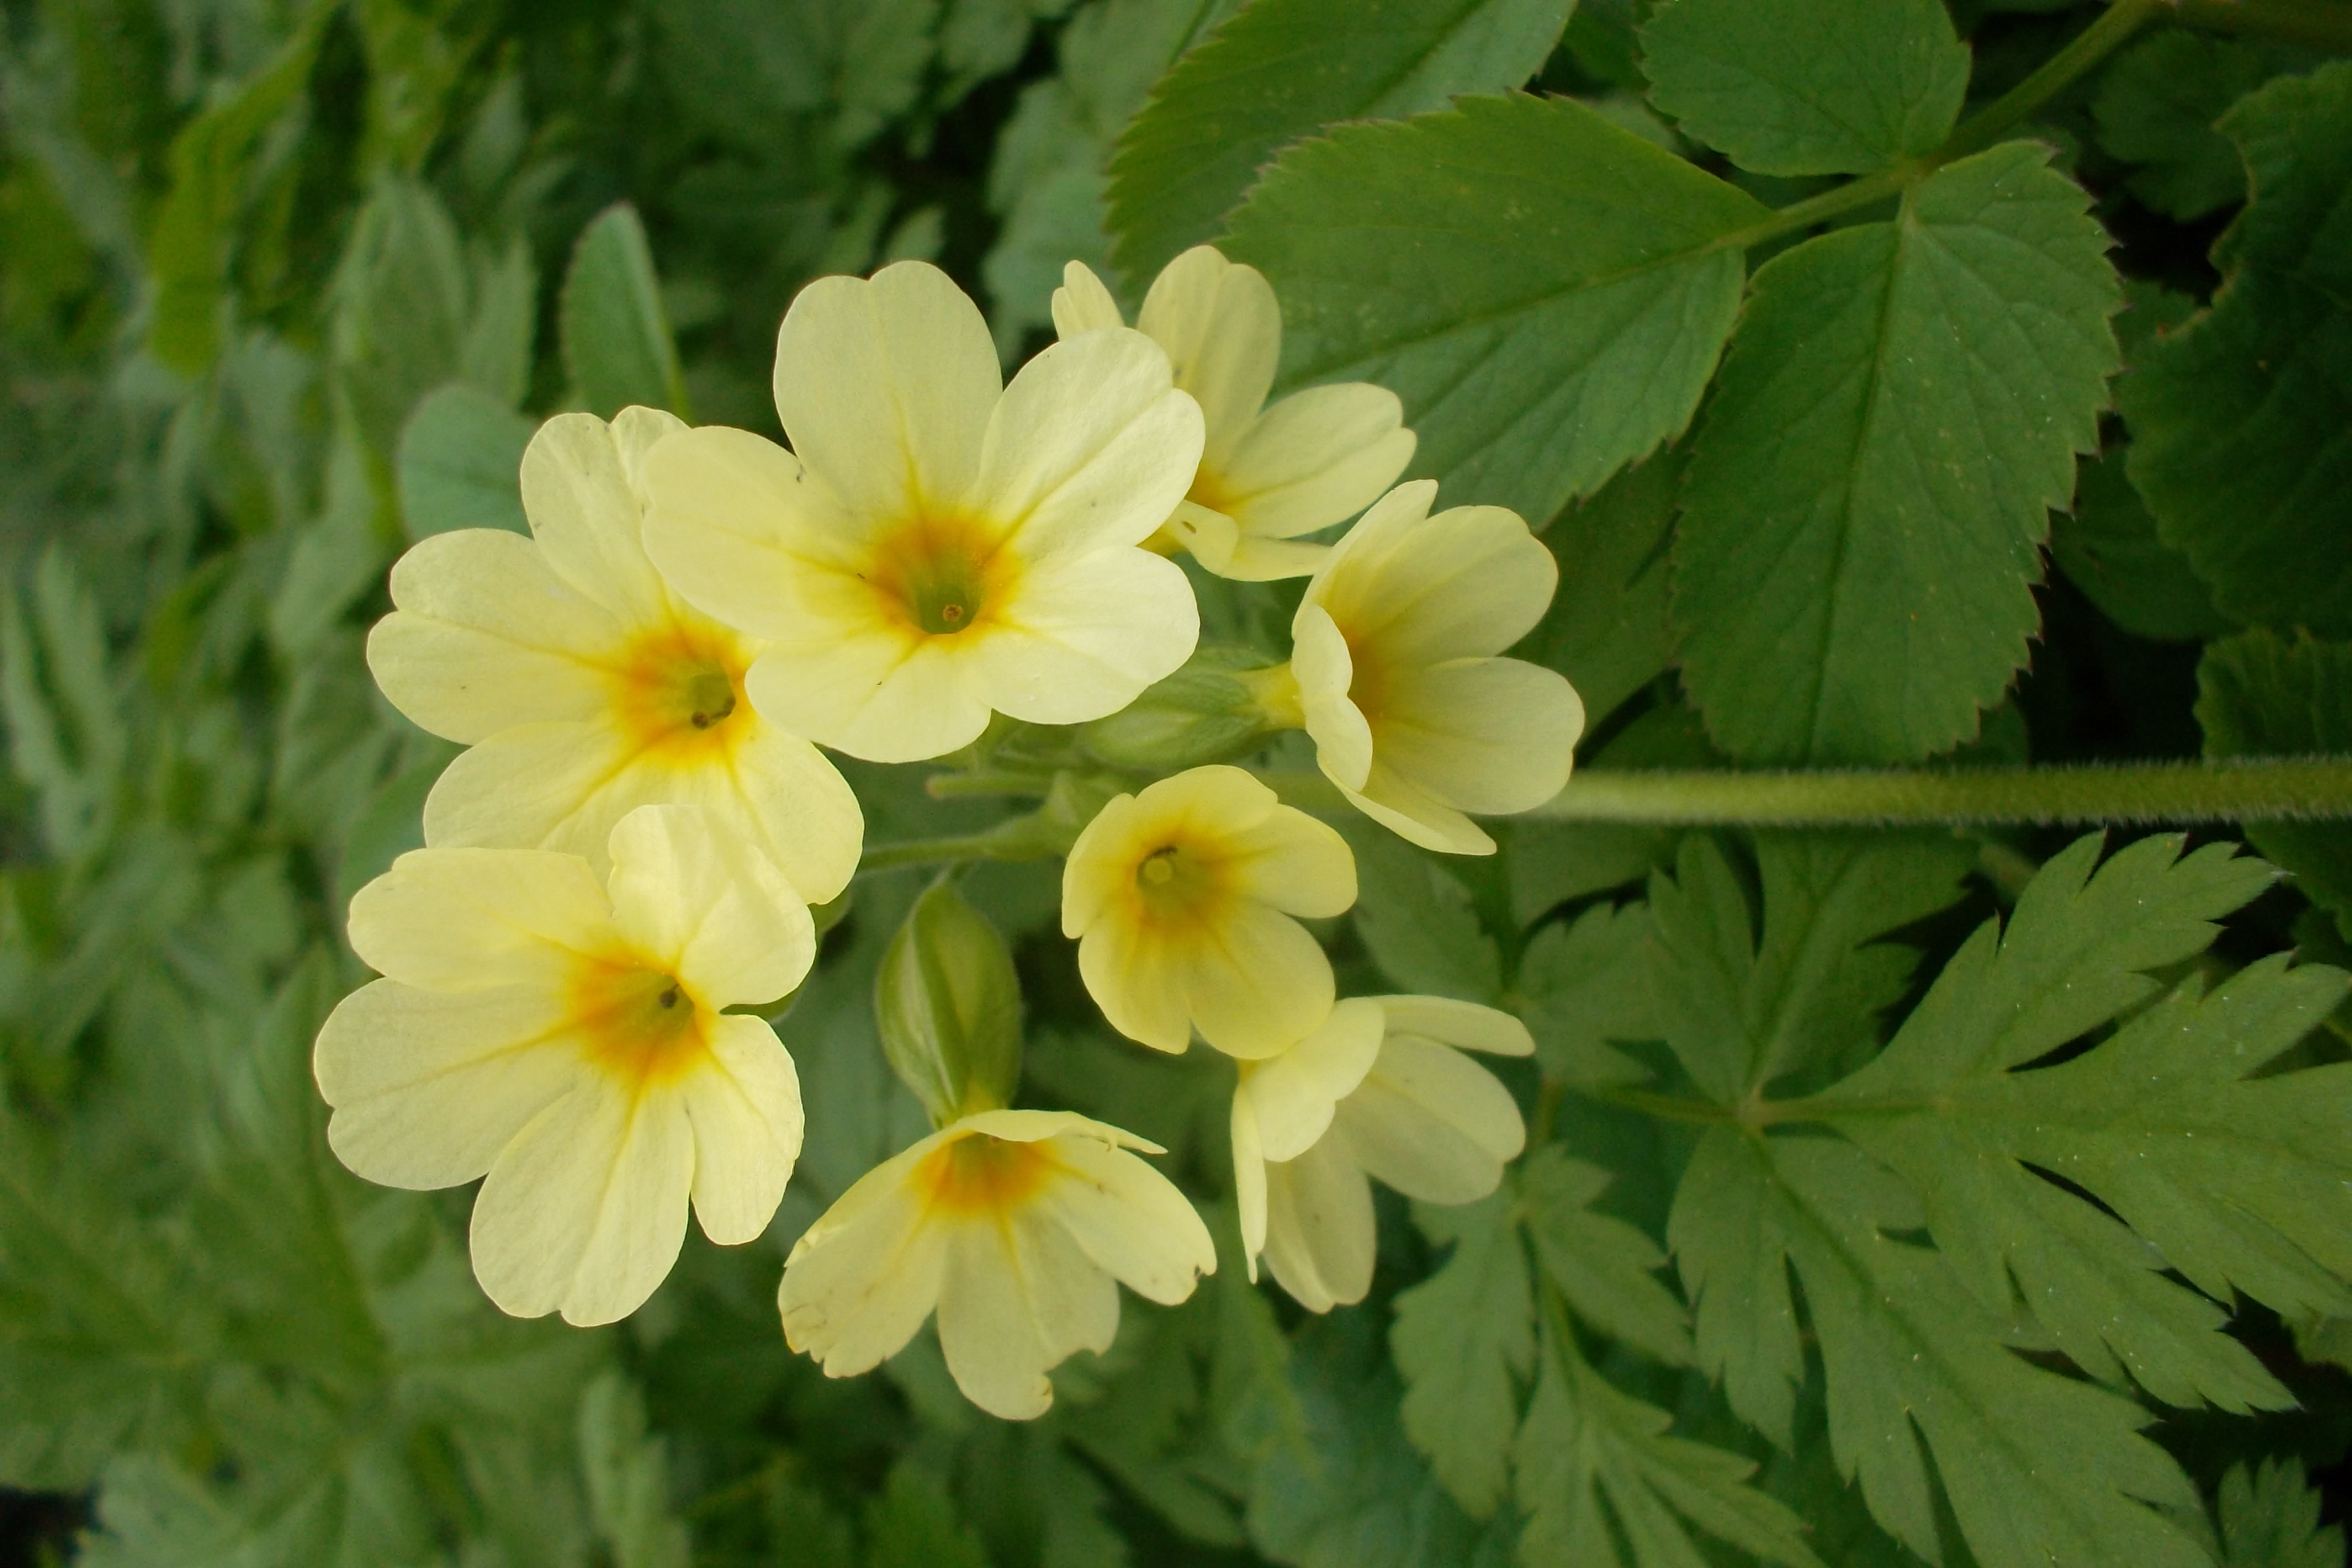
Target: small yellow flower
1012, 1224
567, 1039
1181, 899
1381, 1089
937, 546
1268, 474
1392, 650
585, 687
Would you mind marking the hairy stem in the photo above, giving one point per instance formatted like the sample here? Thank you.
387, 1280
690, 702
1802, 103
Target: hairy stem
2314, 24
2252, 789
989, 845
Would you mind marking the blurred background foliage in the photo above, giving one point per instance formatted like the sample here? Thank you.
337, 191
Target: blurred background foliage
285, 286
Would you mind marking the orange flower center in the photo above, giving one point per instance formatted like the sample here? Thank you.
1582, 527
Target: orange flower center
941, 576
681, 690
979, 1174
1178, 888
638, 1024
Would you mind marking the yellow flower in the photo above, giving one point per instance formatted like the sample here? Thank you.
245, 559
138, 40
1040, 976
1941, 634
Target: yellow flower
1181, 899
1012, 1224
936, 545
1391, 648
567, 1039
1381, 1089
586, 688
1267, 474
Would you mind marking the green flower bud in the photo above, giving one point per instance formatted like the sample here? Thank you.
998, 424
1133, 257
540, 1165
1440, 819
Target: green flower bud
1222, 704
948, 1007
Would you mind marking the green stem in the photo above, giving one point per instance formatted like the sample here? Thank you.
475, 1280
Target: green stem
2314, 24
962, 786
2094, 43
1987, 125
936, 852
2252, 789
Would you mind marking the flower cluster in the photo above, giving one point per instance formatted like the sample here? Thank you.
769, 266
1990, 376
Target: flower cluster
619, 871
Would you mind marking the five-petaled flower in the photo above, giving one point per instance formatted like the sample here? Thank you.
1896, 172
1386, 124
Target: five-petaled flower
1181, 900
937, 546
1381, 1089
566, 1037
1014, 1225
585, 687
1269, 473
1393, 651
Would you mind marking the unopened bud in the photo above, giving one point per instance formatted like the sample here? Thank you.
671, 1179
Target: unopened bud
948, 1007
1220, 705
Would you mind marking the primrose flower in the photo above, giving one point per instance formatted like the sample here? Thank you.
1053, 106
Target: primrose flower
1014, 1225
937, 546
1407, 1107
1392, 650
1268, 474
585, 687
567, 1039
1181, 899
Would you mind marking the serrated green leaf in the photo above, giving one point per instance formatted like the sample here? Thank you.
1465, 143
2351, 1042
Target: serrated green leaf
2038, 1467
1742, 1010
1808, 86
2108, 547
1899, 410
1420, 924
1284, 68
1546, 292
1604, 1267
1463, 1340
740, 66
66, 738
460, 463
403, 306
1607, 629
1590, 1454
1355, 1494
1587, 983
2155, 107
2238, 419
2260, 693
2269, 1519
912, 1523
616, 340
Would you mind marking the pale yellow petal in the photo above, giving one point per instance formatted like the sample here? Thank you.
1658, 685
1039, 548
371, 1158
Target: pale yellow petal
1017, 1300
707, 908
1320, 1238
1254, 560
1137, 982
1317, 458
1467, 582
1211, 536
1090, 446
884, 698
1256, 982
1292, 1095
1085, 635
1036, 1126
1487, 735
1466, 1025
1294, 863
636, 430
744, 1106
1097, 869
557, 787
1128, 1219
584, 513
472, 920
427, 1086
1222, 331
1415, 813
584, 1212
1356, 559
1323, 668
800, 809
1249, 1179
1432, 1123
745, 534
885, 385
864, 1277
487, 636
1082, 304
